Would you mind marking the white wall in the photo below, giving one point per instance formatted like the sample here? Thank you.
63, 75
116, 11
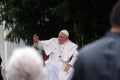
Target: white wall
2, 53
6, 47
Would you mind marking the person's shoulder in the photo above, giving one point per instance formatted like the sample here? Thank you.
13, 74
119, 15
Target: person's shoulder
54, 39
93, 45
72, 44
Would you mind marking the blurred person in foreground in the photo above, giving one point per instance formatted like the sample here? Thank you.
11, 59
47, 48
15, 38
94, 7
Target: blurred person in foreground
100, 60
62, 55
25, 64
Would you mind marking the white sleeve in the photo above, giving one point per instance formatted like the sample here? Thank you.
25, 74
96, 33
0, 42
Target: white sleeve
74, 57
39, 45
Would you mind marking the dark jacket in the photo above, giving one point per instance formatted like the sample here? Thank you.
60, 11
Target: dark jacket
99, 60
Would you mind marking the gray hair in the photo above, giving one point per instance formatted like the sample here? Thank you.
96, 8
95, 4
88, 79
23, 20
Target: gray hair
25, 64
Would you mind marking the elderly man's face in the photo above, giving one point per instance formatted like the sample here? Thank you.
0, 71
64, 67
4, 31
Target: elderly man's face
62, 38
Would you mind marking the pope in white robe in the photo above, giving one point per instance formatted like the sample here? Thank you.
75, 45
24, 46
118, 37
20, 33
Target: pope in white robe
62, 55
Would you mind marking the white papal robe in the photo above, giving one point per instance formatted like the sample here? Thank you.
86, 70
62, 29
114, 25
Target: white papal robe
59, 57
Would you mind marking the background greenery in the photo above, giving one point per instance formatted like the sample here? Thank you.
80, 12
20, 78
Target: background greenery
86, 20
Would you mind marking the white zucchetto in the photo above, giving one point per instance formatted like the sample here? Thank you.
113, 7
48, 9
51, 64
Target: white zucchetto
65, 32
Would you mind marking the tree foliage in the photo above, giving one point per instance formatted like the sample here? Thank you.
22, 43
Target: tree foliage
86, 20
26, 17
90, 18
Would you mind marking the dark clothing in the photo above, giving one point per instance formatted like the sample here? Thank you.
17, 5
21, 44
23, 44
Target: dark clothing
99, 60
1, 78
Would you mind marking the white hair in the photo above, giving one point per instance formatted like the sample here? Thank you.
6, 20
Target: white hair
65, 32
25, 64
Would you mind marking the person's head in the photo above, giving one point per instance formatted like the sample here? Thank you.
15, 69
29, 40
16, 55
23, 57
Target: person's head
25, 64
115, 15
63, 36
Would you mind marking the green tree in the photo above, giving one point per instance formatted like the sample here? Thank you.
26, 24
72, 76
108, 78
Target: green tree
25, 17
89, 18
86, 20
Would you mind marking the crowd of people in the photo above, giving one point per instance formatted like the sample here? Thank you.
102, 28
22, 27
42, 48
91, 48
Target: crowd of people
99, 60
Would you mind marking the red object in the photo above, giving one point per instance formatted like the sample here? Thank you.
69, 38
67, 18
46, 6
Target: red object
45, 57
